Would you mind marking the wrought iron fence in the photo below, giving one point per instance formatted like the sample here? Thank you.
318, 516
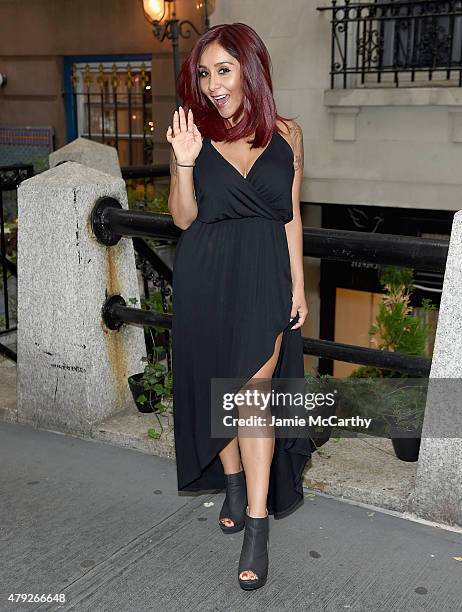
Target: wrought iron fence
10, 178
112, 103
154, 260
148, 190
396, 41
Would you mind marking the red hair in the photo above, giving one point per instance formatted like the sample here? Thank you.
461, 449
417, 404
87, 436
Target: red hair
258, 106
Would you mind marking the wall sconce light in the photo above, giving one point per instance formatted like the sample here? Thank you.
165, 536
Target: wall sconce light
154, 10
161, 14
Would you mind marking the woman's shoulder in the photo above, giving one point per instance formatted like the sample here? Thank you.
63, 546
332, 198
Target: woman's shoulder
288, 129
292, 132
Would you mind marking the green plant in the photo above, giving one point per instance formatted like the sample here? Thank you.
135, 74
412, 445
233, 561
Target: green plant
395, 329
404, 406
152, 197
353, 397
399, 330
155, 302
157, 379
366, 372
386, 400
39, 161
320, 383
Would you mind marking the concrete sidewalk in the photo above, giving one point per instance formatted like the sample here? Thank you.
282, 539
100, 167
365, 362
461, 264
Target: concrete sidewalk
107, 527
363, 469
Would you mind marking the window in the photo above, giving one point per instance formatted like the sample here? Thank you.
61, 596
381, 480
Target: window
416, 36
112, 104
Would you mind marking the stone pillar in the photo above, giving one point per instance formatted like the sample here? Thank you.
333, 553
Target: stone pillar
438, 491
72, 370
89, 153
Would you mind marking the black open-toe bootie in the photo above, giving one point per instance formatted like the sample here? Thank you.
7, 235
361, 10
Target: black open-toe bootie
235, 502
253, 562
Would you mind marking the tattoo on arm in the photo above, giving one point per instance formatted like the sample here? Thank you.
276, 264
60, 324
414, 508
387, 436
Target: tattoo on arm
173, 168
297, 143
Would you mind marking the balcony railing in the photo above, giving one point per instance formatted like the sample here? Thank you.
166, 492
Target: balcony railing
396, 42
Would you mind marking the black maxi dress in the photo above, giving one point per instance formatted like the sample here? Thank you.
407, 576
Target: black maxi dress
232, 296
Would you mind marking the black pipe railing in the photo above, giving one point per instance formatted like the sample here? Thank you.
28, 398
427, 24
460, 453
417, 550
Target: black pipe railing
385, 249
145, 181
110, 222
138, 172
386, 360
116, 313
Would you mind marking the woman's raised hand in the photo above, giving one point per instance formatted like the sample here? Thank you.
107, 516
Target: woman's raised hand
185, 138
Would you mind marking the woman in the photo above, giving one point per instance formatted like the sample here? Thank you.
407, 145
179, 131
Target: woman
238, 281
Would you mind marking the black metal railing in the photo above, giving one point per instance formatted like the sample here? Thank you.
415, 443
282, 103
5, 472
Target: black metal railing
157, 278
110, 222
146, 193
371, 40
10, 178
112, 104
154, 255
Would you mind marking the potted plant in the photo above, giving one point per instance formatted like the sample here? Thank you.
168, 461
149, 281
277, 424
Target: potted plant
397, 329
152, 385
320, 383
350, 397
152, 389
403, 412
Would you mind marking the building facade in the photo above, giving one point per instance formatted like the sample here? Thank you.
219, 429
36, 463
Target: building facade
375, 86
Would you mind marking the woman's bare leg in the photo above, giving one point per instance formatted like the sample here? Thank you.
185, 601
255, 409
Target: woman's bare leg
231, 460
257, 452
230, 457
257, 455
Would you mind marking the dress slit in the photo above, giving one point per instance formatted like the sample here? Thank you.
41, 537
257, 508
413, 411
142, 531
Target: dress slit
248, 378
221, 443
